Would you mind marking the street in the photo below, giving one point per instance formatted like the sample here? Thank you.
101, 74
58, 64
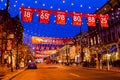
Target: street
60, 72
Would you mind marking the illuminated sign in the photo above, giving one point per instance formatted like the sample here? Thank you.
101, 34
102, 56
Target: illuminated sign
46, 40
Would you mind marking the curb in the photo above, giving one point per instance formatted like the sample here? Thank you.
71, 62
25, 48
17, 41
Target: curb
102, 69
12, 75
97, 69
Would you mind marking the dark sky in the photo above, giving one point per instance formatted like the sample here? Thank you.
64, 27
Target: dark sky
35, 28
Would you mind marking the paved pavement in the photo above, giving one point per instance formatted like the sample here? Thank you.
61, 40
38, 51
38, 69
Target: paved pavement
62, 72
6, 74
114, 69
9, 75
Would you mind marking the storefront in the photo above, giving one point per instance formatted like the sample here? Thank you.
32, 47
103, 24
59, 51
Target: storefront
110, 53
87, 56
113, 53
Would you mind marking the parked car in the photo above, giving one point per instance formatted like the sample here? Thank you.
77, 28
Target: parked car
32, 65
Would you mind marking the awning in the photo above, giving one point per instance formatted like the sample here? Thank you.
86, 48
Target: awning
103, 51
113, 49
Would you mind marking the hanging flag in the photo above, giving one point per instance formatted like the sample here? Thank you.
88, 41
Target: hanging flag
60, 17
47, 47
76, 18
91, 19
44, 15
37, 48
52, 47
103, 20
42, 47
27, 14
57, 47
66, 40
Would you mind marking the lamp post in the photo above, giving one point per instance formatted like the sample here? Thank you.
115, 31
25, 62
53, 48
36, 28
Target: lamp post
67, 55
108, 65
97, 61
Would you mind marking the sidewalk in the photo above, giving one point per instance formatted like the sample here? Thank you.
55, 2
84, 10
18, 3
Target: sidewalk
6, 74
113, 69
4, 70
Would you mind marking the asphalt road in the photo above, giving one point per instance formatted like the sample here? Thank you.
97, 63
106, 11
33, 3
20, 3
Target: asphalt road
58, 72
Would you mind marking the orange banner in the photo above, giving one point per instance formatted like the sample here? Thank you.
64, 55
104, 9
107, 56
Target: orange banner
46, 40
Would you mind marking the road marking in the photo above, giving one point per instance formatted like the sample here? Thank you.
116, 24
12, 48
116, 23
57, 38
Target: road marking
74, 74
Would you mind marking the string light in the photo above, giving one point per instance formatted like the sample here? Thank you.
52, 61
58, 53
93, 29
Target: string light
5, 4
66, 10
105, 9
22, 4
81, 5
43, 4
97, 8
58, 8
16, 1
14, 5
54, 21
28, 6
63, 1
72, 4
89, 7
51, 7
68, 19
36, 2
1, 0
37, 15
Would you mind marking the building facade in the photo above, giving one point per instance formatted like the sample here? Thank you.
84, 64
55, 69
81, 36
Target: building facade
102, 43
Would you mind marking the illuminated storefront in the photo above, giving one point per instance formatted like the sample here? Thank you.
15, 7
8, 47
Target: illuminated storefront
87, 56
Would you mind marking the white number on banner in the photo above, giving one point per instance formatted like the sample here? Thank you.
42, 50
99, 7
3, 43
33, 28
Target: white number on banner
91, 19
44, 15
76, 18
61, 17
103, 20
26, 14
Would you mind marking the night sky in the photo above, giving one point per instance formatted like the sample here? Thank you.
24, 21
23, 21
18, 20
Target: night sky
35, 28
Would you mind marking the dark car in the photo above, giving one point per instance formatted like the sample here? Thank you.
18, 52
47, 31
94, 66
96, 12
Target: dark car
32, 65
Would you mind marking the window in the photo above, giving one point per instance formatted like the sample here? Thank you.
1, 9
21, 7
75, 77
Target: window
119, 34
104, 39
98, 38
113, 36
94, 40
108, 37
91, 41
